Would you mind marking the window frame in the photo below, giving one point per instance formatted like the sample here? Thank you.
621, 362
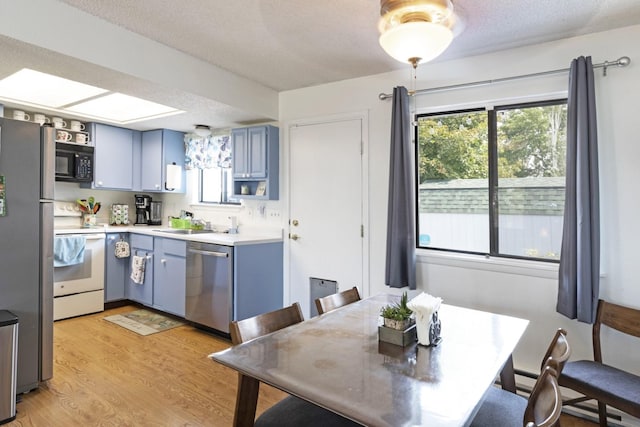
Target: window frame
224, 201
493, 205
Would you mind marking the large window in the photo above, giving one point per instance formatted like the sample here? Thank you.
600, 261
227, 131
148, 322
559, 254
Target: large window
492, 181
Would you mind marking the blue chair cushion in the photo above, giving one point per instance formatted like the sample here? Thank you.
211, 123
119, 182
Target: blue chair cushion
294, 412
500, 408
613, 386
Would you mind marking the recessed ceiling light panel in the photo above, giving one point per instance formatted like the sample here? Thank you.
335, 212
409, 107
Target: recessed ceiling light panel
40, 89
122, 108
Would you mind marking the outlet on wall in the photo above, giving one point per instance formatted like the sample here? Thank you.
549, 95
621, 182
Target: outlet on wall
273, 213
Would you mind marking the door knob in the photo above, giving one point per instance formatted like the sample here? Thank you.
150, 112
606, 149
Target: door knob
295, 222
293, 236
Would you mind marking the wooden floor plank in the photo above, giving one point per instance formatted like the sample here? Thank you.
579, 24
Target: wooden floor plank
105, 375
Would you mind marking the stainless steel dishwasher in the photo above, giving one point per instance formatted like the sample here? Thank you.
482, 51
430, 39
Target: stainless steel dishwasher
209, 299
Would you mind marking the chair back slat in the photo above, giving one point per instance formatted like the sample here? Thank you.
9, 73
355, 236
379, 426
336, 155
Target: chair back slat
623, 319
333, 301
262, 324
559, 350
545, 402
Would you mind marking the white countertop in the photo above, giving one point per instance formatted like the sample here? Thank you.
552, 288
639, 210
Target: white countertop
249, 238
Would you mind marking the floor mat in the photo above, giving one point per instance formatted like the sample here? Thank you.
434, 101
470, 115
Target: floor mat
144, 322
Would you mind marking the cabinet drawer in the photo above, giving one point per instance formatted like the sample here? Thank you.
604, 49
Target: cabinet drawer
140, 241
174, 247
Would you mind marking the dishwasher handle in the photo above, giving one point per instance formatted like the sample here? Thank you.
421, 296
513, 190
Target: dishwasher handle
209, 253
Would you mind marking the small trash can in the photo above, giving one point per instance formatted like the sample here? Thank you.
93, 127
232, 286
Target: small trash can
8, 365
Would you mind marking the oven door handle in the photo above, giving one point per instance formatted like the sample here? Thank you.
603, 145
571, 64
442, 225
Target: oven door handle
87, 236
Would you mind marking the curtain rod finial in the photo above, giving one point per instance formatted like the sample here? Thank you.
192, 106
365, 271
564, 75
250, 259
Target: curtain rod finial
624, 61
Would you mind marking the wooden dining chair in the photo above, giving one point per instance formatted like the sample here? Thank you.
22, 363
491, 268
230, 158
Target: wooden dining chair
291, 411
543, 408
596, 380
333, 301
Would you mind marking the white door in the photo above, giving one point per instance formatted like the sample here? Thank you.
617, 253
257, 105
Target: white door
326, 207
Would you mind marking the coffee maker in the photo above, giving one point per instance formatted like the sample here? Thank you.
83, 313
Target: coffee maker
155, 213
143, 209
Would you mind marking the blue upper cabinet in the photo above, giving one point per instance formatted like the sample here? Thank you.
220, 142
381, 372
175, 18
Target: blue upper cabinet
160, 148
255, 162
114, 157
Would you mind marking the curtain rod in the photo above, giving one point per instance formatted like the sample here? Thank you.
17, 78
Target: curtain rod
620, 62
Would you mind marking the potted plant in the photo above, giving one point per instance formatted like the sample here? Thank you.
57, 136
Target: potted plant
397, 316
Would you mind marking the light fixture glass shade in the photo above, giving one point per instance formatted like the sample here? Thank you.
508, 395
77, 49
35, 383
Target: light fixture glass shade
202, 130
423, 40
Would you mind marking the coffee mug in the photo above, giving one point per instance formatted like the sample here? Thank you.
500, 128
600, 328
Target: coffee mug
63, 135
81, 138
58, 122
20, 115
76, 126
40, 118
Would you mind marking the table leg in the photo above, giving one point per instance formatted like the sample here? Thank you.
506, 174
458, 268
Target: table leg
246, 401
507, 376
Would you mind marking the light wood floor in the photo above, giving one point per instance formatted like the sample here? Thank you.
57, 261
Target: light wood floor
105, 375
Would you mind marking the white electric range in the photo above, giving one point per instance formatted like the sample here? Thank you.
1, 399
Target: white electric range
78, 289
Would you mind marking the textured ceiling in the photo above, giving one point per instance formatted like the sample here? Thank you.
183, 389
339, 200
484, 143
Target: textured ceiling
265, 46
288, 44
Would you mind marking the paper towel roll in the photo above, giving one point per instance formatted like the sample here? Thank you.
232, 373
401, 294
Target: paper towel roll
174, 177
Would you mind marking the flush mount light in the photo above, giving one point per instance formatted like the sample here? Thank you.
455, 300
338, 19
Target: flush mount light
415, 31
45, 91
202, 130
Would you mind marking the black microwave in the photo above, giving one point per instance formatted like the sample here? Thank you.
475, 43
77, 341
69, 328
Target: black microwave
74, 162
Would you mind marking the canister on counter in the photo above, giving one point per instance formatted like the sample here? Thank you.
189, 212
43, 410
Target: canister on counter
119, 214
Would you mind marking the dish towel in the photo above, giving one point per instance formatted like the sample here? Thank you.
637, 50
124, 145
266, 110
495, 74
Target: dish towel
137, 269
68, 250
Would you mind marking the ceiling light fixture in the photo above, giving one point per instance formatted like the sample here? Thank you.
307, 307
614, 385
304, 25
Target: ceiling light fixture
202, 130
415, 31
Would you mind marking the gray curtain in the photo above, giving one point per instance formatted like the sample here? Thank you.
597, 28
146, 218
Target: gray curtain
579, 273
401, 245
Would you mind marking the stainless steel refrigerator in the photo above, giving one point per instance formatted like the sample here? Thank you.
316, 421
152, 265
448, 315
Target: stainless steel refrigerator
27, 177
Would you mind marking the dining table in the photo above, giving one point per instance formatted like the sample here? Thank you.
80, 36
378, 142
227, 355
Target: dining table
336, 361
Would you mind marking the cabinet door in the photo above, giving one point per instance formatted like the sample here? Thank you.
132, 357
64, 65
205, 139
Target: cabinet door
152, 161
160, 148
113, 157
257, 152
143, 293
239, 147
115, 269
170, 273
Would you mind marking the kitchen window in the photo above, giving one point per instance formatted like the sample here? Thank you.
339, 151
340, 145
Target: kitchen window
216, 186
491, 181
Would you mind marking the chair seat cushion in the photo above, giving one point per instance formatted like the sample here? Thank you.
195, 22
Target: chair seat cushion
291, 411
610, 385
500, 408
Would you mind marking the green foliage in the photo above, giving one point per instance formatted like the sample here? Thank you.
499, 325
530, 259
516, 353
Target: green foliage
531, 142
397, 311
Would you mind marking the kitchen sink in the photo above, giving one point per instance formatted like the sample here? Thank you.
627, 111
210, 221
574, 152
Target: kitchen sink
186, 231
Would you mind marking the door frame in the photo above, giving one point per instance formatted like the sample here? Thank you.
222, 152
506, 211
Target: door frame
363, 116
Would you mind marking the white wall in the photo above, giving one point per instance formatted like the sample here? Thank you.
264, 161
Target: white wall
522, 289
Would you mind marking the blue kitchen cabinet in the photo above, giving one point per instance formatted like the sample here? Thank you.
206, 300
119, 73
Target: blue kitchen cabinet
141, 245
116, 269
255, 162
257, 279
161, 147
170, 272
114, 157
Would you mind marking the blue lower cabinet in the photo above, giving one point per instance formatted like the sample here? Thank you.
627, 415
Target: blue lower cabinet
169, 271
141, 246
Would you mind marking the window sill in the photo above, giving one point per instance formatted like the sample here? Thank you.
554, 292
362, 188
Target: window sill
217, 207
496, 264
